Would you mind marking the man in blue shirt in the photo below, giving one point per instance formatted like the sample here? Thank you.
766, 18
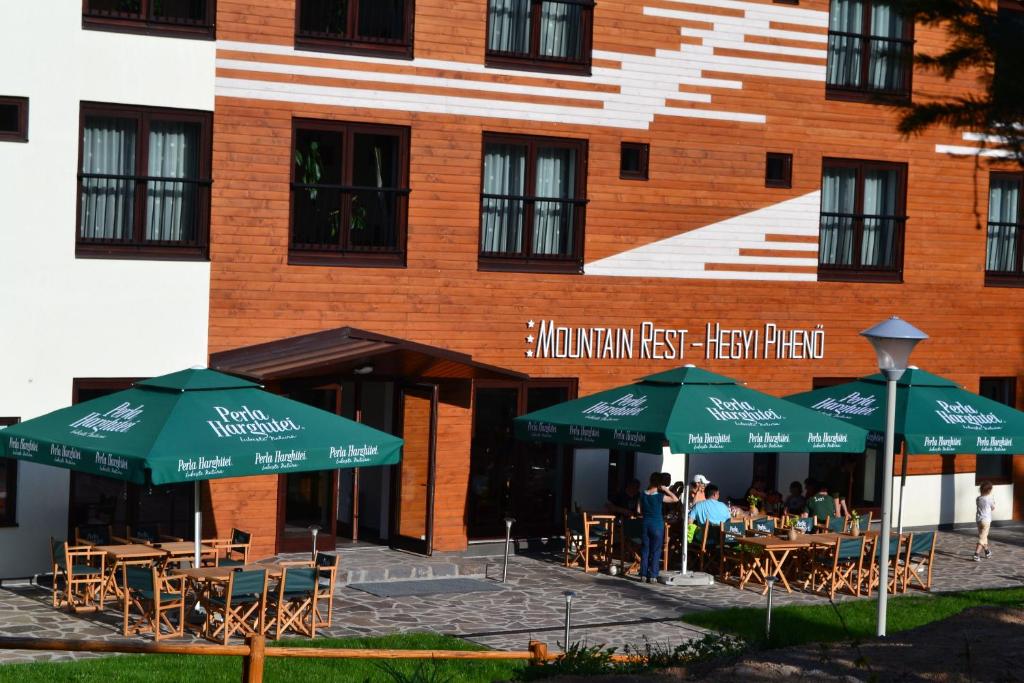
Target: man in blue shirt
711, 509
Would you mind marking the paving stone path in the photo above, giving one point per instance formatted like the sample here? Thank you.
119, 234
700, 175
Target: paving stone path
608, 610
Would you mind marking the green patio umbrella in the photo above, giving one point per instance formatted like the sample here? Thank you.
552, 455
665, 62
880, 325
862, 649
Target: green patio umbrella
194, 425
933, 415
691, 411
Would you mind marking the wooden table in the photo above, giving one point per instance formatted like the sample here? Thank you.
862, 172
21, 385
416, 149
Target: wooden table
775, 550
202, 579
183, 550
128, 554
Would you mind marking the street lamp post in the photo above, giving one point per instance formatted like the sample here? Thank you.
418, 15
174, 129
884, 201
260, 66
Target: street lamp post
893, 340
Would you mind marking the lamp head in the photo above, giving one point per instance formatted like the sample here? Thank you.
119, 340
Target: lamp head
893, 340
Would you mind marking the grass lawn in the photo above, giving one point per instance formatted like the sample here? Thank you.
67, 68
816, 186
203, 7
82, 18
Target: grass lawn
178, 668
795, 625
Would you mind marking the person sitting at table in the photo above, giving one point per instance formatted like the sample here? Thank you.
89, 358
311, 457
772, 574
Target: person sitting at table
627, 501
697, 493
757, 489
796, 502
821, 506
652, 502
711, 509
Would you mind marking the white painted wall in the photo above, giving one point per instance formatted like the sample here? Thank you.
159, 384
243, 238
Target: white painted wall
947, 499
67, 317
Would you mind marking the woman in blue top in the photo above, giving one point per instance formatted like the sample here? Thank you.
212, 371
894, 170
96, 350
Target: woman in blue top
651, 503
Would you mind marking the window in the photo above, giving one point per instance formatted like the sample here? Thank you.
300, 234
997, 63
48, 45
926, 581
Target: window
143, 185
1003, 248
13, 119
541, 35
633, 160
350, 187
365, 26
183, 18
1009, 50
8, 483
861, 233
778, 170
997, 469
532, 203
870, 50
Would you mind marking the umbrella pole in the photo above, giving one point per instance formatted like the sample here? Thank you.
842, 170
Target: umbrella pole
197, 520
684, 524
903, 487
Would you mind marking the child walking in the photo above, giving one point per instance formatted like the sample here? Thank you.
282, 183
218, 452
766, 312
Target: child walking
651, 503
985, 507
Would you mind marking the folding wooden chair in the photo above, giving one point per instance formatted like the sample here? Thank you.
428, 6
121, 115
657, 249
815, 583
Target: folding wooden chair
835, 525
97, 534
804, 525
327, 574
838, 565
732, 554
241, 607
630, 544
864, 522
235, 549
920, 558
83, 571
583, 538
764, 526
156, 598
296, 597
896, 570
149, 534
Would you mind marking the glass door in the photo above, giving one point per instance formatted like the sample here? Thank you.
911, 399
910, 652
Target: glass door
413, 478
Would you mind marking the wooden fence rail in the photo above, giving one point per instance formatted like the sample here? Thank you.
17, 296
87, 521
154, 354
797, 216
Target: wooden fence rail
255, 651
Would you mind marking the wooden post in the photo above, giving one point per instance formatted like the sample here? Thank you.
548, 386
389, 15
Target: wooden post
539, 651
252, 664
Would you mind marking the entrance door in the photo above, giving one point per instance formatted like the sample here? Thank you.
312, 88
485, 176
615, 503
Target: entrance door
413, 478
507, 478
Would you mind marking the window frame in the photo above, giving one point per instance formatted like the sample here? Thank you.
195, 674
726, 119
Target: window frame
786, 181
573, 264
346, 257
21, 134
1007, 460
857, 272
864, 93
10, 519
534, 61
146, 24
644, 149
138, 247
360, 46
1000, 278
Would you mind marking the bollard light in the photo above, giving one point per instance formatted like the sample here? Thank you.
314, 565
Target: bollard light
569, 595
768, 612
893, 340
509, 521
313, 531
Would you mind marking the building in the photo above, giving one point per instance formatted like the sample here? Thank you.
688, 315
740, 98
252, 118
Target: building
434, 216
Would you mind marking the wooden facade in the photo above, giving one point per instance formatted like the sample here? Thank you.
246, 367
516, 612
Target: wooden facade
711, 86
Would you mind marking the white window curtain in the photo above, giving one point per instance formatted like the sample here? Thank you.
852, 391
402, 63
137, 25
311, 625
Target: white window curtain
501, 221
560, 30
838, 196
509, 22
107, 204
170, 205
1003, 223
844, 52
885, 65
553, 220
877, 241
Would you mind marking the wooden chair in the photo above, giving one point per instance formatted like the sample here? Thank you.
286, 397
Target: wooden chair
156, 598
241, 607
327, 574
838, 565
585, 539
83, 571
708, 548
804, 525
235, 549
764, 526
896, 565
149, 534
295, 600
732, 553
834, 525
630, 544
864, 522
920, 557
97, 534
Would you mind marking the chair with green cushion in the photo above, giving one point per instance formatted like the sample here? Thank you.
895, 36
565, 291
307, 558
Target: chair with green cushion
241, 608
631, 541
838, 565
149, 534
863, 522
764, 526
582, 537
919, 560
95, 534
835, 525
732, 552
235, 549
155, 598
296, 596
895, 567
327, 565
83, 570
804, 525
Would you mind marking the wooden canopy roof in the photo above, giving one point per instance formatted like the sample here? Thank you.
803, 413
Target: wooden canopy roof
343, 350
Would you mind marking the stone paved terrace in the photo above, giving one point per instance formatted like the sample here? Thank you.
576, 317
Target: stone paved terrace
609, 610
